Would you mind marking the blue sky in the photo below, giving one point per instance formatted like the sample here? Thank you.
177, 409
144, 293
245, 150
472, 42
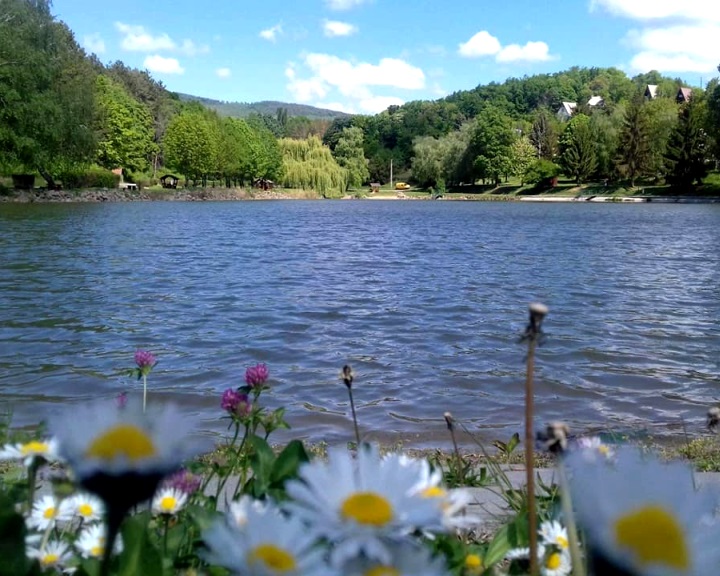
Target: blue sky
361, 56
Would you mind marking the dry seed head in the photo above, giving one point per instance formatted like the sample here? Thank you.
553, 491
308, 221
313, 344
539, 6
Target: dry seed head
347, 375
449, 420
713, 418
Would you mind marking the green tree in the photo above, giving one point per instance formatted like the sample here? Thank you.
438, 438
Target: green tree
522, 157
190, 146
577, 149
309, 164
125, 128
605, 125
544, 134
687, 152
349, 154
634, 151
490, 145
713, 117
46, 92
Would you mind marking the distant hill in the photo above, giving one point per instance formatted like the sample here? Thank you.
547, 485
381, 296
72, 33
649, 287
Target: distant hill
242, 109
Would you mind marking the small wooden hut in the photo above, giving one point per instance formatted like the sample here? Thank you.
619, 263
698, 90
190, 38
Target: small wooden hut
169, 181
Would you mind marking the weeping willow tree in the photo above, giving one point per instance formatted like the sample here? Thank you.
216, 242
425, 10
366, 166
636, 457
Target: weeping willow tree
310, 165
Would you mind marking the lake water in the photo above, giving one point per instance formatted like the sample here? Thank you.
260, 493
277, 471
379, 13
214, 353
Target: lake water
426, 301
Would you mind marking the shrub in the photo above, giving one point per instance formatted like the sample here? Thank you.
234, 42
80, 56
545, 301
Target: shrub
92, 177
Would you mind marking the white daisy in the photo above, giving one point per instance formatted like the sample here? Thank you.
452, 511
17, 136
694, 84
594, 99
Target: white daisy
274, 546
593, 447
518, 554
122, 454
452, 503
408, 559
169, 501
54, 555
238, 509
92, 540
645, 516
555, 562
84, 506
360, 504
554, 534
46, 512
29, 451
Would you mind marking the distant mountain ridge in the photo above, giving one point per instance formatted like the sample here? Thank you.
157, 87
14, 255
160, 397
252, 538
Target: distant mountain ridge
242, 109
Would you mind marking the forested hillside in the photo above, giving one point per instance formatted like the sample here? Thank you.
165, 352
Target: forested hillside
244, 109
66, 116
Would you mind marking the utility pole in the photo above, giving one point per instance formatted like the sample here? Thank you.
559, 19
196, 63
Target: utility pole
391, 174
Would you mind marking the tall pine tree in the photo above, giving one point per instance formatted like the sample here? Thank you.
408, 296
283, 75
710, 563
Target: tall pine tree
634, 153
687, 152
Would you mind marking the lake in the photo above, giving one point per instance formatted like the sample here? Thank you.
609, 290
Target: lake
426, 301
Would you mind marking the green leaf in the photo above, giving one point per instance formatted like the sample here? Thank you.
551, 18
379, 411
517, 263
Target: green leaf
513, 442
498, 548
139, 556
288, 462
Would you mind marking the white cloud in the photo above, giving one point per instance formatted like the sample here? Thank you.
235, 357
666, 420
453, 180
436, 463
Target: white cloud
481, 44
531, 52
343, 4
333, 28
697, 10
223, 72
327, 75
685, 48
189, 48
137, 39
94, 43
676, 37
163, 65
271, 33
485, 44
377, 104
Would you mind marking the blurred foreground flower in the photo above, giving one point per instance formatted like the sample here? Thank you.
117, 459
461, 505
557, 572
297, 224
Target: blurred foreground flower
644, 517
271, 545
121, 455
407, 559
362, 506
183, 480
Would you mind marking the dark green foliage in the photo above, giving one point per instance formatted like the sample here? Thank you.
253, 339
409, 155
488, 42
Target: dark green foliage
687, 155
93, 177
490, 145
634, 150
266, 107
577, 156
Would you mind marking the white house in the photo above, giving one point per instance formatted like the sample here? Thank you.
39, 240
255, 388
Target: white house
566, 110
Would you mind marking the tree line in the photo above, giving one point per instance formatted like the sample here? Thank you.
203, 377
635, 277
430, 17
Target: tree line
70, 118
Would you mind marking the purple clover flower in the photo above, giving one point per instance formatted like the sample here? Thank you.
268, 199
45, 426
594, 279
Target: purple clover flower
235, 403
144, 359
183, 480
256, 376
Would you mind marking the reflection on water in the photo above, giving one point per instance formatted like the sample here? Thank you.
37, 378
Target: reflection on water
425, 300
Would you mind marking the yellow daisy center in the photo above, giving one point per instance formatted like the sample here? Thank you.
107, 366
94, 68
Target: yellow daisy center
367, 508
85, 510
271, 556
562, 542
49, 559
168, 503
655, 536
34, 447
49, 513
97, 551
124, 440
433, 492
382, 571
473, 562
553, 561
603, 449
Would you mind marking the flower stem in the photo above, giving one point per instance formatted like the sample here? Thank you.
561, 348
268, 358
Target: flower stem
144, 376
354, 415
529, 456
578, 566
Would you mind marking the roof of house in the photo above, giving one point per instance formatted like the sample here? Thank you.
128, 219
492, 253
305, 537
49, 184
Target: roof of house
568, 108
684, 93
651, 90
596, 101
